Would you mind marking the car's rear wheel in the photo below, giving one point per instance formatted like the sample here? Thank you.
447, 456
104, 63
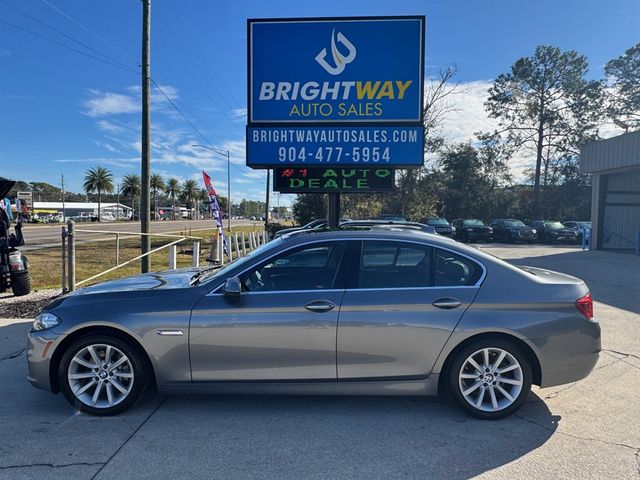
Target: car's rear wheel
101, 374
490, 378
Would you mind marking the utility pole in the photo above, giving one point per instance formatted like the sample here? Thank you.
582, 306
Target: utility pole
266, 206
228, 192
118, 202
64, 215
145, 227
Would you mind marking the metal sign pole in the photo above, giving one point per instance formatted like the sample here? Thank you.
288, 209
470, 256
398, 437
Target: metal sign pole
333, 217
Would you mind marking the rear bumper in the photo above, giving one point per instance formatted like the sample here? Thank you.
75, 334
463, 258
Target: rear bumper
566, 360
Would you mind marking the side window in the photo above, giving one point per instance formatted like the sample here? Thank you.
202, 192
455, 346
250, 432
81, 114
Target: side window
453, 270
394, 265
307, 268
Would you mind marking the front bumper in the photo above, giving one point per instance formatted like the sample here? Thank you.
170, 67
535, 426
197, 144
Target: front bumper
40, 347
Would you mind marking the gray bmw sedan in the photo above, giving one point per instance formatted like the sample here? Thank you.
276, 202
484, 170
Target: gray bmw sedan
366, 312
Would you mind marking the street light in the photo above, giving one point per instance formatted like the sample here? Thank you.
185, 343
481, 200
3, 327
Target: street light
224, 154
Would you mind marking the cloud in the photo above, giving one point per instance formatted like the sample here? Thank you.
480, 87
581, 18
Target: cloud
109, 103
239, 115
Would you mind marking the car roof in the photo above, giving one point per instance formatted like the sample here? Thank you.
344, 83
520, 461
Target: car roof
390, 233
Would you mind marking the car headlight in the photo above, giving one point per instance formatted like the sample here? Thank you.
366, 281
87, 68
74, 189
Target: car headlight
45, 320
533, 230
554, 233
469, 229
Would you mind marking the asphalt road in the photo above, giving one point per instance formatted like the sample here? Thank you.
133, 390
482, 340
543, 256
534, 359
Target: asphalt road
37, 236
587, 430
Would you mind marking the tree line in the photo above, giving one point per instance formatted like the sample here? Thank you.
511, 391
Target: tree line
545, 109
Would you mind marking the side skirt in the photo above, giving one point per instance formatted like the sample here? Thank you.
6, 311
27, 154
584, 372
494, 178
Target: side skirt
425, 387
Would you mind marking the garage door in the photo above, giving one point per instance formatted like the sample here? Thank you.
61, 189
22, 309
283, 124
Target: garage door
621, 212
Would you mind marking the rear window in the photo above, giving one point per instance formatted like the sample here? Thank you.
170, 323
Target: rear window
473, 223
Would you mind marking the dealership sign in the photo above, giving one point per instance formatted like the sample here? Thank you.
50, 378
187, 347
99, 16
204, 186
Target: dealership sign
357, 146
366, 70
351, 84
351, 180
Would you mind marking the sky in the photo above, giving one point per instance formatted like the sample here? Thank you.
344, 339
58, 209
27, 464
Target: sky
62, 112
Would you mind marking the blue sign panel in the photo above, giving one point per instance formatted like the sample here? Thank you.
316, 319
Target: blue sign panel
371, 146
348, 71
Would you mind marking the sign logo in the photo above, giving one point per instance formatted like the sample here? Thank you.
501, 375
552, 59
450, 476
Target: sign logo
339, 60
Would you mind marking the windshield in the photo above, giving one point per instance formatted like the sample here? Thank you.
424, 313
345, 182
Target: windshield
513, 223
437, 221
553, 225
213, 274
314, 223
473, 223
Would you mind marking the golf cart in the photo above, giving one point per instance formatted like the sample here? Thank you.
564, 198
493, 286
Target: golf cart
14, 268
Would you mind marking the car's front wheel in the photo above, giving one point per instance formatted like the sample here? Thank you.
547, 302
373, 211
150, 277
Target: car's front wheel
490, 378
101, 374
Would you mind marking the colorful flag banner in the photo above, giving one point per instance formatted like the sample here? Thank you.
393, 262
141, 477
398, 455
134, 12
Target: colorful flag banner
215, 208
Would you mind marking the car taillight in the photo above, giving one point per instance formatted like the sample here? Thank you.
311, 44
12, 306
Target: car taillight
585, 306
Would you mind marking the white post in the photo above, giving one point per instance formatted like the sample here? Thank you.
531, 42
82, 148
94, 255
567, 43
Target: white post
221, 250
117, 249
235, 239
195, 260
252, 241
244, 245
172, 257
230, 247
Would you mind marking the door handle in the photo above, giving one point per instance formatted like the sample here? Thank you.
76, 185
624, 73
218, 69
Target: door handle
320, 306
447, 303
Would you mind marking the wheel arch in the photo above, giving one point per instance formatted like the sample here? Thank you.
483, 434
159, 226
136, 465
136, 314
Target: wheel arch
56, 358
536, 369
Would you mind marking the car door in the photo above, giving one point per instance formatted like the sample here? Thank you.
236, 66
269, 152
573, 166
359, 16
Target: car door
281, 327
400, 307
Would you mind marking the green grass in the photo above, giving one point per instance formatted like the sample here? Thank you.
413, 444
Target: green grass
45, 264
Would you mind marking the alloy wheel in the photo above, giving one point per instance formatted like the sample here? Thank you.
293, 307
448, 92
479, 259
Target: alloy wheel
491, 379
100, 376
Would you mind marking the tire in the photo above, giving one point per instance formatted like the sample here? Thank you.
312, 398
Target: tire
499, 405
129, 375
20, 284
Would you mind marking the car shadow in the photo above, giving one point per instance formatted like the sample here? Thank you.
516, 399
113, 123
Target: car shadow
342, 437
612, 277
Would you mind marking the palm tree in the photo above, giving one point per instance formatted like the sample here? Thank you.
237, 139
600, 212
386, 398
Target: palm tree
157, 184
98, 179
190, 191
130, 185
173, 190
203, 196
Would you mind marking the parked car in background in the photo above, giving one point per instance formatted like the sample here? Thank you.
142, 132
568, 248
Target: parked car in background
472, 230
510, 230
387, 224
578, 226
370, 312
392, 217
313, 224
552, 231
442, 226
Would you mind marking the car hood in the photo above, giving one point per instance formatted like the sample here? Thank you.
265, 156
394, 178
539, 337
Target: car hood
167, 280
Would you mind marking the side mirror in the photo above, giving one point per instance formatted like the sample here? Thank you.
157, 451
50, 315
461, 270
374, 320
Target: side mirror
232, 287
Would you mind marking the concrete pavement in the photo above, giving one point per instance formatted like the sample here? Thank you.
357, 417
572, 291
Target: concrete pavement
587, 430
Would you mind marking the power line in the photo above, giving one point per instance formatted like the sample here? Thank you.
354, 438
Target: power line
88, 47
30, 32
68, 17
204, 75
196, 46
